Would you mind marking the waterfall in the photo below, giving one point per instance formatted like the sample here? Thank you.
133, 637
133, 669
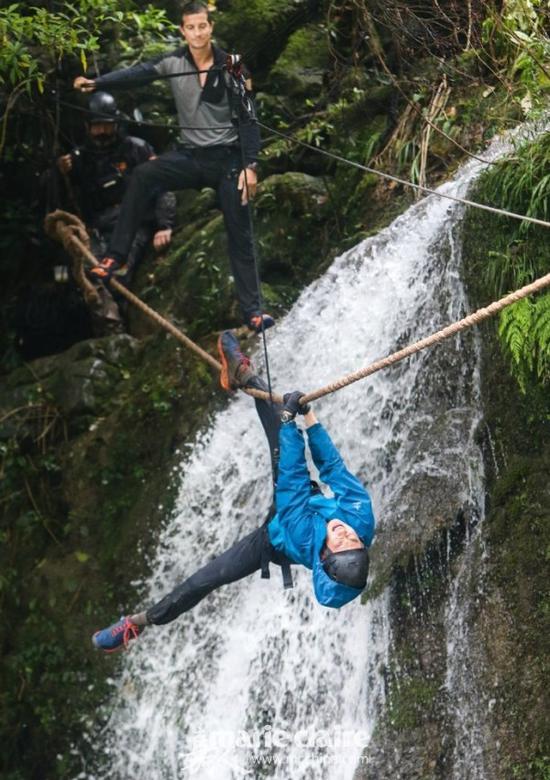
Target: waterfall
261, 682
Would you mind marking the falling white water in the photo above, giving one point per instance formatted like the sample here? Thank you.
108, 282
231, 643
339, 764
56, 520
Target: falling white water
258, 681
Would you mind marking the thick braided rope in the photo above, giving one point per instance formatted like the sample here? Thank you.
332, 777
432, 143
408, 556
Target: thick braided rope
436, 338
68, 228
71, 232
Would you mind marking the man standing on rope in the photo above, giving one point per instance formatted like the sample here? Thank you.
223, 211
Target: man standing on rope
330, 536
219, 147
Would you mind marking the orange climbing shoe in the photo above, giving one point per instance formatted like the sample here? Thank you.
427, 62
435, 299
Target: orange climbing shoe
237, 369
105, 269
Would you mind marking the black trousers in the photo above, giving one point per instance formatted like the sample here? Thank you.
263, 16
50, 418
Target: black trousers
251, 553
217, 167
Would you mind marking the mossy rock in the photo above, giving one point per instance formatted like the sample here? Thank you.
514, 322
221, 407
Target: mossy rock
257, 29
77, 512
300, 69
77, 382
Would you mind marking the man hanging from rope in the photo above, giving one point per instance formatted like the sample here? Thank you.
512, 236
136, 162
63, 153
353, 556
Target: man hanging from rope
219, 147
330, 536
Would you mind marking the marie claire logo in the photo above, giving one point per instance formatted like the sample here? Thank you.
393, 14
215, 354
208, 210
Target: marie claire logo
271, 738
243, 751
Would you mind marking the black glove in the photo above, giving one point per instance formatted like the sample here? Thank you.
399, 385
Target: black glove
104, 270
292, 406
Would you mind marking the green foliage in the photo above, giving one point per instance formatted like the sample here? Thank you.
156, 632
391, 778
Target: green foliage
33, 40
518, 41
518, 255
536, 769
521, 183
249, 20
525, 331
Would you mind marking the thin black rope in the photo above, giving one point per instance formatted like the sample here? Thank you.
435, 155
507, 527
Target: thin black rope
255, 257
163, 125
405, 182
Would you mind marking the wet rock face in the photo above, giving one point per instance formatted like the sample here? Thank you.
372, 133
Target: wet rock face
88, 439
78, 381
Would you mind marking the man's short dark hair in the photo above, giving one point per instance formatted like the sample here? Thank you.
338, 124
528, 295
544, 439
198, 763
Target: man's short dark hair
195, 7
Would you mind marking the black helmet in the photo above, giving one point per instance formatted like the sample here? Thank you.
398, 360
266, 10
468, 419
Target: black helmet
350, 567
103, 108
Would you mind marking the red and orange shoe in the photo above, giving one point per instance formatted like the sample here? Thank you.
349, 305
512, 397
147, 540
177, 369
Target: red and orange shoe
237, 369
105, 269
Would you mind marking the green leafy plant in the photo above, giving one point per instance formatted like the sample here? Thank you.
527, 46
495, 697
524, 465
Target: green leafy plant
525, 331
33, 41
517, 38
519, 255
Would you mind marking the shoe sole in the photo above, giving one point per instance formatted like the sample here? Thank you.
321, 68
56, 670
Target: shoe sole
224, 373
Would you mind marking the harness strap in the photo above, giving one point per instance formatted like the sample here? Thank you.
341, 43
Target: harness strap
287, 574
265, 560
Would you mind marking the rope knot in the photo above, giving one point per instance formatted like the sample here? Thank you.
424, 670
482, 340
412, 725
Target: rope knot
70, 231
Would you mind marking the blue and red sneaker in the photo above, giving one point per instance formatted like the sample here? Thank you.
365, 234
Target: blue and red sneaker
117, 636
236, 367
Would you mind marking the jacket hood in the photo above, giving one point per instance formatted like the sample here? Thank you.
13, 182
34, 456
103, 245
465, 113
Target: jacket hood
328, 592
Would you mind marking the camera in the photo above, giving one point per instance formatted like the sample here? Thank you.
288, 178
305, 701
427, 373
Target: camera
234, 64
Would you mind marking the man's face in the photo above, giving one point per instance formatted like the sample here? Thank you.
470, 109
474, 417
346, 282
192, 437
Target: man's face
102, 133
197, 30
341, 536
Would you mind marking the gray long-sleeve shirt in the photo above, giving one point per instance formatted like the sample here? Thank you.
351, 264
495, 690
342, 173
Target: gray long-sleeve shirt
205, 113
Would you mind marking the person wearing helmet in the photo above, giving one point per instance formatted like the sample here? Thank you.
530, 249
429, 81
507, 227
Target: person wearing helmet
218, 147
329, 536
100, 172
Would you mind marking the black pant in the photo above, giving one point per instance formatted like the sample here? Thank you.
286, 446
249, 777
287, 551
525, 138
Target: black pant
248, 555
217, 167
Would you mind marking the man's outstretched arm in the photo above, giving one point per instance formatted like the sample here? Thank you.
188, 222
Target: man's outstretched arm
136, 76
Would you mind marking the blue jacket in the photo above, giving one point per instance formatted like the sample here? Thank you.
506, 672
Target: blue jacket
299, 527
